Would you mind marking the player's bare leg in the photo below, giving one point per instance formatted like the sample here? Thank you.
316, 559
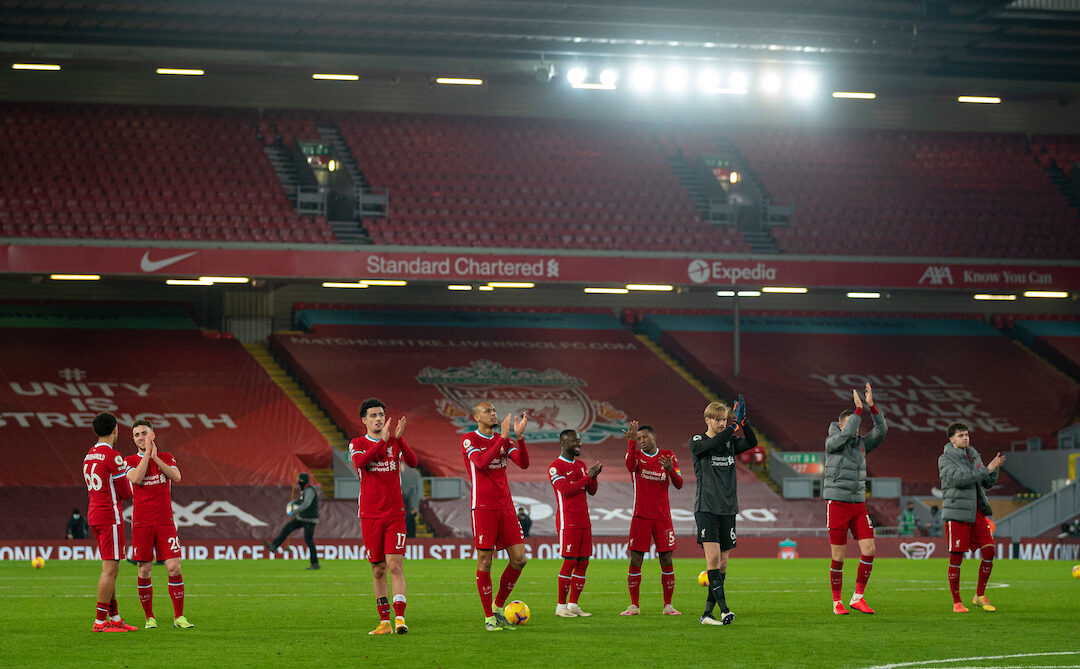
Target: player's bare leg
395, 564
667, 582
382, 604
836, 577
866, 563
633, 583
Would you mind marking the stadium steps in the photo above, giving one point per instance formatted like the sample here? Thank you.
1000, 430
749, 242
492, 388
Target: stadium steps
759, 240
1036, 354
348, 232
322, 422
710, 395
285, 171
689, 181
1062, 183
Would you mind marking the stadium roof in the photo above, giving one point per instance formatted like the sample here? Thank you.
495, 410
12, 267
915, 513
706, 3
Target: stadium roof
1023, 40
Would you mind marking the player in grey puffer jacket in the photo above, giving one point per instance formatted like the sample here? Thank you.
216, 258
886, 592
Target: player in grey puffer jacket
965, 510
844, 489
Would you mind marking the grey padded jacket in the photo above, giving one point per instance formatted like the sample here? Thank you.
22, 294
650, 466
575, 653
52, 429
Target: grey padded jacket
845, 457
963, 482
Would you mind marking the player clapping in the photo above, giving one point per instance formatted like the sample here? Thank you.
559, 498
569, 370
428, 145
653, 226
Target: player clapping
152, 474
381, 508
571, 481
494, 521
652, 470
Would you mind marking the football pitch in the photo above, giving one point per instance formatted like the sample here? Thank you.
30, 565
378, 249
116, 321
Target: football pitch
274, 613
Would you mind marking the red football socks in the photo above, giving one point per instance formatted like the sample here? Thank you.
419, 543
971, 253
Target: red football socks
985, 568
146, 596
667, 582
577, 581
507, 582
955, 559
633, 582
564, 579
866, 564
176, 591
836, 578
483, 586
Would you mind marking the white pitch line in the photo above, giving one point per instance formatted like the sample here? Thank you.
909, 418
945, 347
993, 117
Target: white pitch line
951, 660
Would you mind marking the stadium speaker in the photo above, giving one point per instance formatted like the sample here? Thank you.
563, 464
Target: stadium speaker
544, 72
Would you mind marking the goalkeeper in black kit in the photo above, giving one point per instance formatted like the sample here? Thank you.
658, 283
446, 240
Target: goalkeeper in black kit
716, 501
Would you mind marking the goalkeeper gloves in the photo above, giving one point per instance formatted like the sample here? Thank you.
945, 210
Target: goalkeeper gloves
739, 414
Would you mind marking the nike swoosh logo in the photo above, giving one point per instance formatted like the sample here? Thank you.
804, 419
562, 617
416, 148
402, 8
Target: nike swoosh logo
148, 265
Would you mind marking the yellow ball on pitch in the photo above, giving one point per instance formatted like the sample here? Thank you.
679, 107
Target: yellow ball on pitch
703, 578
1076, 571
517, 612
38, 562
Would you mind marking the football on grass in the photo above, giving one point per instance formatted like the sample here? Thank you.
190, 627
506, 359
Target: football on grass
517, 612
38, 562
1076, 570
703, 578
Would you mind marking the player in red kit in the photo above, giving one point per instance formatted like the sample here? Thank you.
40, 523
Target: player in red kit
652, 469
152, 474
381, 508
571, 480
104, 470
494, 521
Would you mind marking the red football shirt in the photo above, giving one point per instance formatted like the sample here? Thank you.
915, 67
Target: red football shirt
376, 463
571, 481
651, 481
153, 497
485, 460
105, 473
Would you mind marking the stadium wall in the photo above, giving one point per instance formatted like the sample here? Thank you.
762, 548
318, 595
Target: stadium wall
612, 549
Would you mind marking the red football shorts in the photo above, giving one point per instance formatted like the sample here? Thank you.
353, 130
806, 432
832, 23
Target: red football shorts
110, 540
495, 528
575, 542
148, 539
963, 537
644, 531
842, 517
382, 536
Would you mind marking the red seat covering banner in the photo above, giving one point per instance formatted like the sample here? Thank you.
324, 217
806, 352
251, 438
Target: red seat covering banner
796, 384
211, 404
591, 381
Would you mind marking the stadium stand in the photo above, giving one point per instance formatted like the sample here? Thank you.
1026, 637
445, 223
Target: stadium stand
542, 183
212, 405
201, 174
797, 374
1060, 151
131, 172
882, 192
567, 370
1056, 340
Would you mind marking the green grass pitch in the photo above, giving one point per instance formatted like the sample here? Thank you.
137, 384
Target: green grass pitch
273, 613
